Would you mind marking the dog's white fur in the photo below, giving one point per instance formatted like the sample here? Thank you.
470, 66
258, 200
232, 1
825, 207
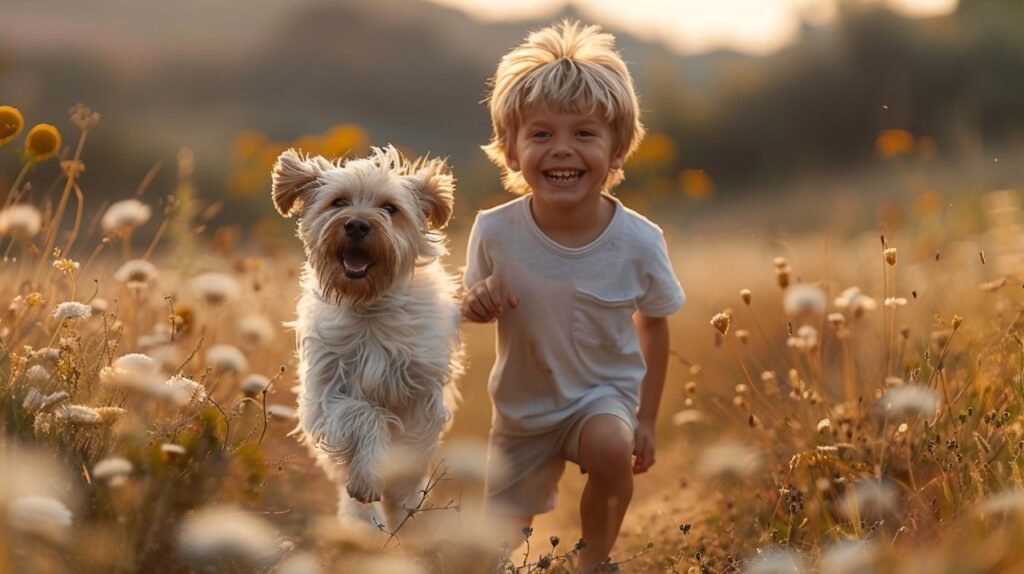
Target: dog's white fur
377, 354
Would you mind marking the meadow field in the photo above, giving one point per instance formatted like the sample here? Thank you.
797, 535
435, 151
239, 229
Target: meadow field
842, 397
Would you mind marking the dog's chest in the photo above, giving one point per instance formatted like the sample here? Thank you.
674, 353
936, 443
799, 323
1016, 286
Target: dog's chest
385, 358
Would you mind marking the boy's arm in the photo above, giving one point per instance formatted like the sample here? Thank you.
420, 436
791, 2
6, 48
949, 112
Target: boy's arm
654, 344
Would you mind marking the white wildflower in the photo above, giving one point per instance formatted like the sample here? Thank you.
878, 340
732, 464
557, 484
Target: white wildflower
52, 399
125, 216
908, 401
254, 384
729, 458
1005, 502
40, 515
32, 401
112, 470
228, 532
72, 310
803, 298
894, 302
687, 417
777, 561
806, 339
21, 220
227, 358
37, 374
172, 450
870, 499
185, 390
282, 412
216, 288
135, 362
255, 330
110, 415
79, 415
824, 425
855, 302
850, 557
137, 273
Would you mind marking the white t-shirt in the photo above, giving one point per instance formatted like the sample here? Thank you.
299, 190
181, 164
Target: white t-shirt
571, 340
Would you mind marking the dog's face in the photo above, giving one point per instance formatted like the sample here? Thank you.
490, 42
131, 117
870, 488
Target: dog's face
364, 223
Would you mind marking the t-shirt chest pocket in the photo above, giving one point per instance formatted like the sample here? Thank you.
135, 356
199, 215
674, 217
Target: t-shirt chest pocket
601, 322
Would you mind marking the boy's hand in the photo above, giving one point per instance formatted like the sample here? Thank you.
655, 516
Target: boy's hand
485, 301
643, 449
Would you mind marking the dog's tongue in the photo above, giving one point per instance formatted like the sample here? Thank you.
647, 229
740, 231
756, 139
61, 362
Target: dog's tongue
356, 260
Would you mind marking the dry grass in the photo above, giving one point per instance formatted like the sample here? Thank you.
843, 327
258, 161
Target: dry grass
798, 432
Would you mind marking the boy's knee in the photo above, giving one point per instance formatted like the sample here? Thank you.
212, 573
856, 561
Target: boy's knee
606, 447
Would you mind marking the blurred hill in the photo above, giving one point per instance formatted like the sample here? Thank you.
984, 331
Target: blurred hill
194, 73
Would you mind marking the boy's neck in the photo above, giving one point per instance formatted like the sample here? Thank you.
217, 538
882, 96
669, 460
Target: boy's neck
575, 227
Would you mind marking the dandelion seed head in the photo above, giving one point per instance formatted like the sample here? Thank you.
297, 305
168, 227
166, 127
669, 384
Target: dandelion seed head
136, 362
112, 470
850, 557
43, 516
216, 288
254, 384
255, 330
870, 499
802, 298
729, 458
855, 302
125, 216
227, 532
71, 310
908, 401
21, 220
136, 272
227, 358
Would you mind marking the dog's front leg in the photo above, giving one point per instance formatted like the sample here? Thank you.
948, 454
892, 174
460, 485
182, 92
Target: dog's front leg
356, 434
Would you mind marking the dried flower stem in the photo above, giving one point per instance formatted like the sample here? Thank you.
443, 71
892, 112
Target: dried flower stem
54, 227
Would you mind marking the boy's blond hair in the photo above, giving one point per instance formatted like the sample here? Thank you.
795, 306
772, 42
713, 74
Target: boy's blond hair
569, 67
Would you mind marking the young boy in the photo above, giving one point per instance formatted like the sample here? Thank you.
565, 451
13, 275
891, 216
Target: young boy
580, 285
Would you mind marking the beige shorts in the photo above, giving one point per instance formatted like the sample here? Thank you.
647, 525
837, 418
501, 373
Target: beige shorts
523, 471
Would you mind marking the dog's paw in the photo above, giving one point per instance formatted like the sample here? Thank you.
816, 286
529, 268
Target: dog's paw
363, 488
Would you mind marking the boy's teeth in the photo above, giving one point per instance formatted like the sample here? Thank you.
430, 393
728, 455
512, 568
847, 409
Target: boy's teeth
564, 175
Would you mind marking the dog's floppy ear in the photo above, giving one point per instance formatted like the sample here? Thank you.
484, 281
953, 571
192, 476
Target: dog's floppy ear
434, 185
295, 178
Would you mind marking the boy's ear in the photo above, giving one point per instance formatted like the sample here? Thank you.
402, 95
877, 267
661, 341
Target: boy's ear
294, 180
434, 186
617, 161
511, 160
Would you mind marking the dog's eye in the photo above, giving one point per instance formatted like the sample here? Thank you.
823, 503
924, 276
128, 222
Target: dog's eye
340, 202
390, 208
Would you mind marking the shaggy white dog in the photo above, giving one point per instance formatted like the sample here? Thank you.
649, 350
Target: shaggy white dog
378, 320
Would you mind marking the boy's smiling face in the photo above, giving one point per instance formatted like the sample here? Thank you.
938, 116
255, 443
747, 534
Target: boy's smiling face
564, 156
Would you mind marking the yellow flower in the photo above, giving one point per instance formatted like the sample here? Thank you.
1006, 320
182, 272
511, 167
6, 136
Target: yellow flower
42, 142
11, 123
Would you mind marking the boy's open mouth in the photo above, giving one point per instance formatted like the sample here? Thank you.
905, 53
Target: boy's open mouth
356, 261
563, 175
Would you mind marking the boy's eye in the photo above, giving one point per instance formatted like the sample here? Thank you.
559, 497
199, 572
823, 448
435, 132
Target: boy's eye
541, 134
340, 202
585, 133
390, 208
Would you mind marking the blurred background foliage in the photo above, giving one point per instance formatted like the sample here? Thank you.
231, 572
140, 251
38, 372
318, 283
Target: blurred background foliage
843, 103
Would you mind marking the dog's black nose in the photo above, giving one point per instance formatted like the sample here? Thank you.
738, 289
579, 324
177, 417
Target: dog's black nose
357, 228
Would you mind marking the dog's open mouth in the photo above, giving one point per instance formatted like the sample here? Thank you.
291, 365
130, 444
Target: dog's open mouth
356, 261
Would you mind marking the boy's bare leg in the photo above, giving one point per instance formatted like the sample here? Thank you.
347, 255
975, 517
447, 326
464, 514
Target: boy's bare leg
606, 451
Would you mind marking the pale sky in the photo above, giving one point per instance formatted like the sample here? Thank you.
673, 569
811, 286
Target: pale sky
689, 26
